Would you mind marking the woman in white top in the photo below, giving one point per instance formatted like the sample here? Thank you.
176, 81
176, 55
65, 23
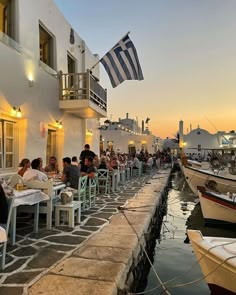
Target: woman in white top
34, 173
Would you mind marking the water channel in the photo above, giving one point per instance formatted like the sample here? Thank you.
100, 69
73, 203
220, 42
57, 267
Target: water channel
173, 255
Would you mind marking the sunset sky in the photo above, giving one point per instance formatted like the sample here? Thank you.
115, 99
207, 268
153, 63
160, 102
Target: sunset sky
187, 51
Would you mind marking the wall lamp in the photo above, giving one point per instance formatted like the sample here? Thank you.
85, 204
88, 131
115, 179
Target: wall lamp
59, 124
16, 111
89, 132
31, 80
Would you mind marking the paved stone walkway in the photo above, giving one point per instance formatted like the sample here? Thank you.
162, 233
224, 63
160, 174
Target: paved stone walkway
35, 254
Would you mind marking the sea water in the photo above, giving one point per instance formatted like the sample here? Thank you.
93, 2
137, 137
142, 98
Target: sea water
174, 260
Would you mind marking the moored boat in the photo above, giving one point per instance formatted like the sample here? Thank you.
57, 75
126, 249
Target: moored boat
217, 207
222, 181
217, 258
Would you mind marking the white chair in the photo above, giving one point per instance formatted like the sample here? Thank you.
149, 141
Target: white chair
47, 187
16, 178
149, 169
135, 172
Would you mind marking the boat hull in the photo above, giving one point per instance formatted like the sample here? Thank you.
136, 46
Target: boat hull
196, 177
216, 209
219, 273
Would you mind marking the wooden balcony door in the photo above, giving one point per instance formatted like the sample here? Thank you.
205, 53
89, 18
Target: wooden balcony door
51, 144
71, 64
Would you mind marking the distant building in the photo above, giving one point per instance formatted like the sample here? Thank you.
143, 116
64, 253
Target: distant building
198, 141
171, 144
125, 136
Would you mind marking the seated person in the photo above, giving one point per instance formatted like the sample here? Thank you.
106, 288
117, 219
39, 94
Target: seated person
86, 153
114, 163
91, 170
135, 162
150, 161
25, 165
70, 173
74, 161
35, 173
104, 165
52, 165
3, 208
41, 165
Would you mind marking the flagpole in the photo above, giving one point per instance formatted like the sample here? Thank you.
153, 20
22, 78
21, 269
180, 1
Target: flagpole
102, 57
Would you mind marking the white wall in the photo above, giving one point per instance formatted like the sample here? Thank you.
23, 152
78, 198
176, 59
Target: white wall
200, 137
121, 140
40, 103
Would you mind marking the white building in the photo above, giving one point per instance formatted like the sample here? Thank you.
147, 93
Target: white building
125, 136
198, 141
44, 110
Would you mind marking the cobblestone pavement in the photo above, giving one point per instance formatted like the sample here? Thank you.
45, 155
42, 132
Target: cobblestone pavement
35, 254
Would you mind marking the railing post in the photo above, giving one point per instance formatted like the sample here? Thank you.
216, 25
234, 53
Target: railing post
60, 85
88, 85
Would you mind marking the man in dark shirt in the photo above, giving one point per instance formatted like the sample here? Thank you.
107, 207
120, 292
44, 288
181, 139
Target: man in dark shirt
91, 170
70, 174
86, 153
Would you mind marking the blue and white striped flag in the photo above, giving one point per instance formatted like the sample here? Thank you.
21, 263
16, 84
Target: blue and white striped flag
121, 62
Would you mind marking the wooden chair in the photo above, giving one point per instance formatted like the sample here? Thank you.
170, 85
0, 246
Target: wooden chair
82, 190
92, 191
4, 240
3, 244
103, 180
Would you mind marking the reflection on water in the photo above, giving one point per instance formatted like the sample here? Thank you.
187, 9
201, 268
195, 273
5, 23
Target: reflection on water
173, 255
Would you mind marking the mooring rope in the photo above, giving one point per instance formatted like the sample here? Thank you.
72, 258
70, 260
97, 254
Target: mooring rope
162, 284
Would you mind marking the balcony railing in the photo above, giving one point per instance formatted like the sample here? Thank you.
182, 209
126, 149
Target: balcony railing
81, 87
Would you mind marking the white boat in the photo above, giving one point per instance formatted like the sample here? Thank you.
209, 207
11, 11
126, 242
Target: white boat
221, 181
217, 258
194, 163
217, 207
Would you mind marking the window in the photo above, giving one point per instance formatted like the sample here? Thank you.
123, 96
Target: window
46, 47
7, 17
7, 142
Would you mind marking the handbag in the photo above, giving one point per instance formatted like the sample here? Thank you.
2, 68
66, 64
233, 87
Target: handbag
66, 197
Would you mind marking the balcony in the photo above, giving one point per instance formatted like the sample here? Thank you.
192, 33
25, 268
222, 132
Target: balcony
81, 95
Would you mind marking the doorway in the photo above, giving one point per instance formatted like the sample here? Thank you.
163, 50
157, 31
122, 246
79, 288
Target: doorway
51, 144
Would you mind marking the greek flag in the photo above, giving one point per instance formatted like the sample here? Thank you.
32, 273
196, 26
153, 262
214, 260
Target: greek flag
121, 62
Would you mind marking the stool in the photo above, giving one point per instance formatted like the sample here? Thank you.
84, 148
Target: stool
70, 208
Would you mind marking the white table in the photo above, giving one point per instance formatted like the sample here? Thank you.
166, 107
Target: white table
26, 197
